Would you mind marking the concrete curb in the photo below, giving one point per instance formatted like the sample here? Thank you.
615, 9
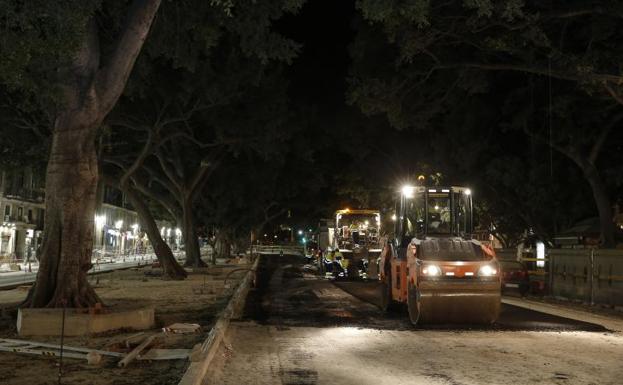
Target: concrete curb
610, 323
195, 373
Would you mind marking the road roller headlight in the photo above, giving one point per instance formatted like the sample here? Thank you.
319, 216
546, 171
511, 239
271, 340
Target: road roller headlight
487, 271
431, 271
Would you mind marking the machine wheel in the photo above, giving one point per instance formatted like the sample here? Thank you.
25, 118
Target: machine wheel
387, 303
413, 304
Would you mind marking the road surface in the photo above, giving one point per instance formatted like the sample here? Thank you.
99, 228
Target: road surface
300, 329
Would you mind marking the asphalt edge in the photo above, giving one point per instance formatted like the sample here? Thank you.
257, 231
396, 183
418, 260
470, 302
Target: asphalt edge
610, 323
198, 367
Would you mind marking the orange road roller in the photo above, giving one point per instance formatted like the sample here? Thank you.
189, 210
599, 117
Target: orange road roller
433, 265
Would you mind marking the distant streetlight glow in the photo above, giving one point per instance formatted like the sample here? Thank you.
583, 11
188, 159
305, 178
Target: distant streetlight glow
468, 192
408, 191
100, 220
300, 232
394, 217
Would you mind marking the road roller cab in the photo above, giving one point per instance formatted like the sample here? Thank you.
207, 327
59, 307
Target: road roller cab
433, 266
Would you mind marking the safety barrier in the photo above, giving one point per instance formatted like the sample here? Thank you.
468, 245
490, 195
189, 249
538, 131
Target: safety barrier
278, 249
590, 275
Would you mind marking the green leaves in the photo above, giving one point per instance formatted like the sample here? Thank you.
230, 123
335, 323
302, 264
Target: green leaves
38, 37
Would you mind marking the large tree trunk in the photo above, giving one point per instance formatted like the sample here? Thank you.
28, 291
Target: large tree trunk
602, 201
71, 184
89, 92
223, 245
189, 230
171, 269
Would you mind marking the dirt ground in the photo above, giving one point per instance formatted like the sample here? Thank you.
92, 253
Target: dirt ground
192, 301
273, 355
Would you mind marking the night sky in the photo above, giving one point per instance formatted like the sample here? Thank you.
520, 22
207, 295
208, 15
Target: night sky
318, 75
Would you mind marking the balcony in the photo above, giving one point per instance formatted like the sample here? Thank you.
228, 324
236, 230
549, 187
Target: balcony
14, 219
25, 194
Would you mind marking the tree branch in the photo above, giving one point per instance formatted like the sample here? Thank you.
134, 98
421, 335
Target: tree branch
597, 77
164, 182
168, 171
167, 202
111, 79
613, 93
601, 139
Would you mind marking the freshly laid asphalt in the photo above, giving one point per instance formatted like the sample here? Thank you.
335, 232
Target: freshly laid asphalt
299, 328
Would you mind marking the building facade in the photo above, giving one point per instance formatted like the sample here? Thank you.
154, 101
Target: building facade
117, 228
22, 207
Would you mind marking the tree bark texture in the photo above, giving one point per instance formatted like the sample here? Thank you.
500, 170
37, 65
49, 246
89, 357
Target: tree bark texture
170, 268
90, 92
189, 230
71, 187
223, 245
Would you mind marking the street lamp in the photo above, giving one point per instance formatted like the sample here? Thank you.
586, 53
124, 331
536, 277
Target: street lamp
408, 191
100, 220
300, 232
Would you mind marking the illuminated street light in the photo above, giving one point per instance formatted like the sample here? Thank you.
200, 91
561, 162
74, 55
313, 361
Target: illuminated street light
394, 217
100, 220
300, 232
408, 191
468, 192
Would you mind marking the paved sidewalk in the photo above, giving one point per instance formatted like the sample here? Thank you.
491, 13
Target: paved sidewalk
609, 322
16, 278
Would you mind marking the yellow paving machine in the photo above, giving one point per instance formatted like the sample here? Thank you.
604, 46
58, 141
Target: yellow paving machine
356, 239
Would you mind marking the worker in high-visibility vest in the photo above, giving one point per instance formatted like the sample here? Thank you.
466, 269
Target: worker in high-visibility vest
339, 262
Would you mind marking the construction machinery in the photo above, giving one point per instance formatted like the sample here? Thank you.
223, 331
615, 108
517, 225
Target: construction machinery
432, 264
356, 236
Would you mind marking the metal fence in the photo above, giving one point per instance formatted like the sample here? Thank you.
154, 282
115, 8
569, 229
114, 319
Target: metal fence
592, 276
278, 249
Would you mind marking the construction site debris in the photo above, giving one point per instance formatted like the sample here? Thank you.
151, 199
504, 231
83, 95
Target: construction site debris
182, 328
51, 350
165, 354
94, 358
136, 351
